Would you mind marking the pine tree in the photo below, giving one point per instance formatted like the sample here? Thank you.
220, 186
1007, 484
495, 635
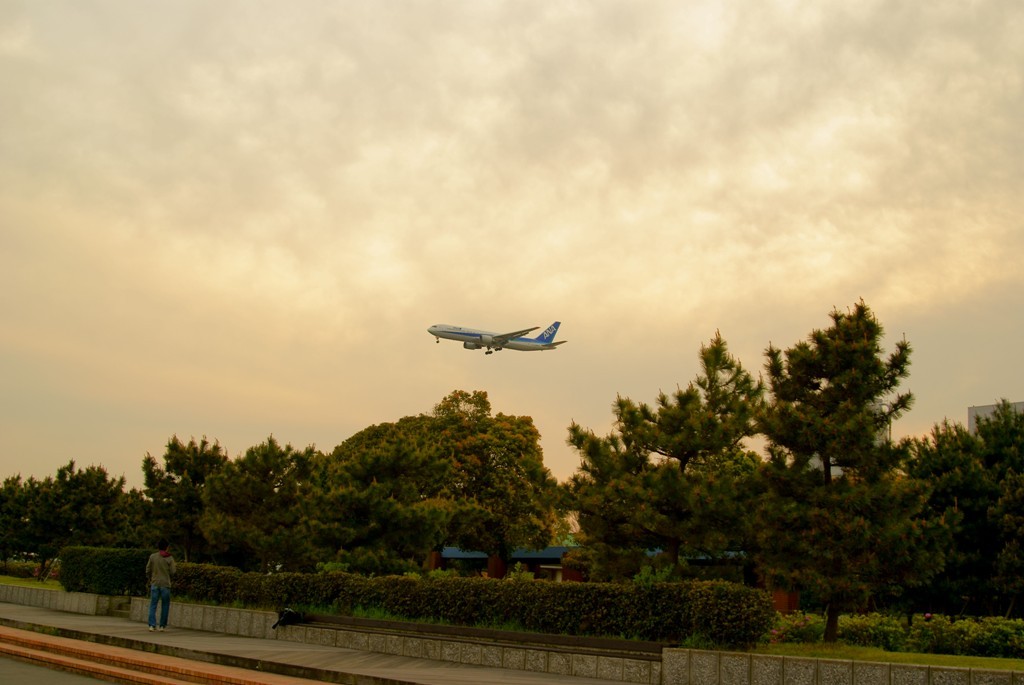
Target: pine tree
672, 477
13, 510
839, 518
176, 492
258, 507
75, 507
975, 484
381, 503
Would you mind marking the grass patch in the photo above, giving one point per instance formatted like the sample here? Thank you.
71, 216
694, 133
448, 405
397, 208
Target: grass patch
32, 582
234, 604
848, 652
507, 626
380, 614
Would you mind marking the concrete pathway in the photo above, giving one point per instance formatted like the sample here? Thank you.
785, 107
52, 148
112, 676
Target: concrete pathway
263, 656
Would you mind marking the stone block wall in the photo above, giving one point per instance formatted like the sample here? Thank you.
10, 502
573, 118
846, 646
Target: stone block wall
677, 666
242, 622
71, 602
442, 648
697, 667
523, 658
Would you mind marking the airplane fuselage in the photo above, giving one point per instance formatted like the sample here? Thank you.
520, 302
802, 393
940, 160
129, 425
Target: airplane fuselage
475, 339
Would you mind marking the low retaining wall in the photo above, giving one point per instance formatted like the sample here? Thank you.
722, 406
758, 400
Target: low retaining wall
58, 600
479, 652
695, 667
674, 667
244, 622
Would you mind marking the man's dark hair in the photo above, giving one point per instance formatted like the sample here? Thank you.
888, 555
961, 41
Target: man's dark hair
162, 545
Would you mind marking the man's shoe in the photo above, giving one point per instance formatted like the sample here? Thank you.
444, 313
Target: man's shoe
161, 629
151, 629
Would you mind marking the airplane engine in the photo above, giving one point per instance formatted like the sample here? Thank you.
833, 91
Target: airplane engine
470, 346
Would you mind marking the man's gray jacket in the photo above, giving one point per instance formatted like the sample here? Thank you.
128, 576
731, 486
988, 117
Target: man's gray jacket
159, 569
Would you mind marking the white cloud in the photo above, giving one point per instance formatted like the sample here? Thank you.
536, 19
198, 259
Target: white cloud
268, 205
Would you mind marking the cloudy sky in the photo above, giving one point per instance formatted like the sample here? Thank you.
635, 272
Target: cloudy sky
237, 219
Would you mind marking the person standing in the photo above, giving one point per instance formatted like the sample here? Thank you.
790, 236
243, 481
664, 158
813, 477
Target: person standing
159, 570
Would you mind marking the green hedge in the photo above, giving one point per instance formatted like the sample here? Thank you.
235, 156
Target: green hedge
928, 634
874, 630
998, 637
20, 569
104, 571
724, 613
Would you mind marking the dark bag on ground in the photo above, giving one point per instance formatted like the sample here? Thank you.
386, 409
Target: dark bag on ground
287, 617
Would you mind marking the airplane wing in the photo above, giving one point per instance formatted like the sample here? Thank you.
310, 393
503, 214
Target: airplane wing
505, 337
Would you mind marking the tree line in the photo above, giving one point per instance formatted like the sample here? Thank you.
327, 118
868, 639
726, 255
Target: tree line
832, 507
380, 502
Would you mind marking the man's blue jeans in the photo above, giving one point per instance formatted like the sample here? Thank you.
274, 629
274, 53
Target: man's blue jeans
162, 595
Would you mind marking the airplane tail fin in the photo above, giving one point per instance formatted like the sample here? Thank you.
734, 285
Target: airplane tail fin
549, 333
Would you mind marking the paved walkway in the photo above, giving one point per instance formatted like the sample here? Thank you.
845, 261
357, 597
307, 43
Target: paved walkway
16, 672
332, 664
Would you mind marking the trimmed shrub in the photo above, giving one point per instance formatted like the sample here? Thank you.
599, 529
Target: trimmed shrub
989, 637
797, 627
726, 613
873, 630
20, 569
723, 613
206, 583
995, 637
717, 612
938, 636
998, 637
103, 570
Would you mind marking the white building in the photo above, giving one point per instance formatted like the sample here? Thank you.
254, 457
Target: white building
985, 410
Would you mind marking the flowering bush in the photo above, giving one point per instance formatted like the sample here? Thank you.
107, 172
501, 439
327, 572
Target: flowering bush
51, 573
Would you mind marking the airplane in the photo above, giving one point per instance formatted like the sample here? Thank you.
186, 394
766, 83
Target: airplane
473, 339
